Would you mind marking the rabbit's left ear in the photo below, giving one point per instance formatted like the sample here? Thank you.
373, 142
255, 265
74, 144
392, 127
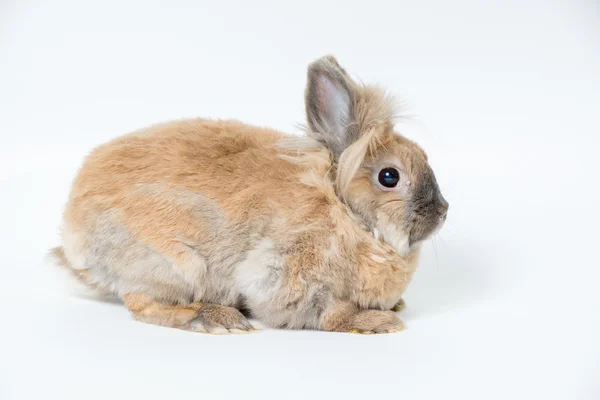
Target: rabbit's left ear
329, 98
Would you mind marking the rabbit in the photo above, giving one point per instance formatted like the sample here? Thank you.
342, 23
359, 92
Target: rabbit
202, 224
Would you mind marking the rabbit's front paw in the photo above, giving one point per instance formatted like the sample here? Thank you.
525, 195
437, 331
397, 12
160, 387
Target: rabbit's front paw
375, 321
347, 318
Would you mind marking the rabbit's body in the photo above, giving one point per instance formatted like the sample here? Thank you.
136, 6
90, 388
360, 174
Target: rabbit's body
192, 220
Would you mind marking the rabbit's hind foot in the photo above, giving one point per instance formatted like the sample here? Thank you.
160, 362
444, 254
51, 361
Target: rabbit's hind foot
197, 317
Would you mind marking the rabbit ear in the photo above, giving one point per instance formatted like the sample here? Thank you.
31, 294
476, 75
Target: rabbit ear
329, 99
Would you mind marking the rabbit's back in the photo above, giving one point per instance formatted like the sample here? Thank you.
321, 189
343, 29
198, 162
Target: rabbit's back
173, 209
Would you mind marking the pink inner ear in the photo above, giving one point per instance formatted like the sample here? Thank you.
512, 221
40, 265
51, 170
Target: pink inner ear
334, 103
324, 88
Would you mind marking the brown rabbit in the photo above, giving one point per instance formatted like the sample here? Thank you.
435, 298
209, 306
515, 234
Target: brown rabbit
189, 222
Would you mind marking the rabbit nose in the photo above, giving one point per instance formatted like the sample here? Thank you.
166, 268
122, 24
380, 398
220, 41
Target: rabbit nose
443, 207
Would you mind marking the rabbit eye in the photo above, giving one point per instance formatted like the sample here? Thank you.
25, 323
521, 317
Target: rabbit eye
389, 177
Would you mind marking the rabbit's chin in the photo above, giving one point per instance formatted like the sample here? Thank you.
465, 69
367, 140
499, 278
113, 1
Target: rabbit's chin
416, 242
400, 240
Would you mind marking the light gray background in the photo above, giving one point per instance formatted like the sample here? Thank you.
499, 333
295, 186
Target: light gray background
505, 101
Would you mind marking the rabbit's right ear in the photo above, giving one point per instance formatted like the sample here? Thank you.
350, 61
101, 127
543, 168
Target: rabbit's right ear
329, 98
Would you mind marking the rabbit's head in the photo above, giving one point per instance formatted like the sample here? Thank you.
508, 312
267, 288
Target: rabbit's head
382, 176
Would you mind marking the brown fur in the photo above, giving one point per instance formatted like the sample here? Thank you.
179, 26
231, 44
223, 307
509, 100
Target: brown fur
188, 220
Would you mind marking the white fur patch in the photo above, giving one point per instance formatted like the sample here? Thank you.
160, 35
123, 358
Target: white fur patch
73, 244
395, 237
376, 233
378, 259
258, 276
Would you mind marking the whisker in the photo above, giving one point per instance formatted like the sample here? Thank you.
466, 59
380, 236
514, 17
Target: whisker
433, 243
442, 239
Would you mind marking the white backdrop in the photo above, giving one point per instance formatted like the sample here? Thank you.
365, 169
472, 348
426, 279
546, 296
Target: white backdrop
505, 100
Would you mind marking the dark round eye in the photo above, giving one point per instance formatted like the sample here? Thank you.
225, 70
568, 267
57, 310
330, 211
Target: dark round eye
389, 177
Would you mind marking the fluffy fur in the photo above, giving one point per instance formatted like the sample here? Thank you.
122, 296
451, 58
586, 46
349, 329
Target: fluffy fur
191, 221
